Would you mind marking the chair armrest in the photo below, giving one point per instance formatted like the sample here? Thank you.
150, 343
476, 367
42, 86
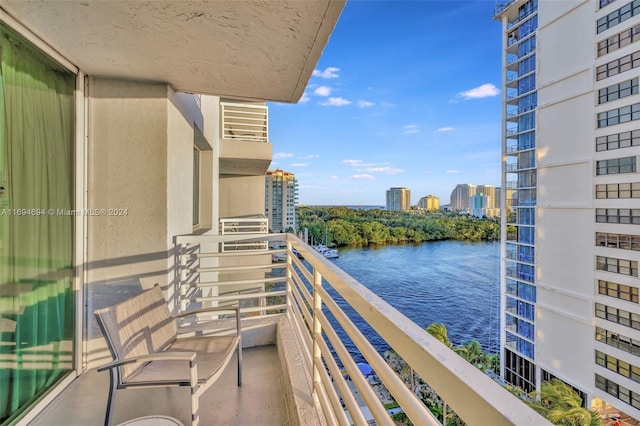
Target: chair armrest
159, 356
215, 309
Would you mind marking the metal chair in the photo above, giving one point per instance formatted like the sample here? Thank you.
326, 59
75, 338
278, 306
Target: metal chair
147, 350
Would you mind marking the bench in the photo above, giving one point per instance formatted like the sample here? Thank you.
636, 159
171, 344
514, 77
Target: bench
147, 350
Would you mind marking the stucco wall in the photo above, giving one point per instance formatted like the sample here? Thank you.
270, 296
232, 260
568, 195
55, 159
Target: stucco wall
241, 195
141, 161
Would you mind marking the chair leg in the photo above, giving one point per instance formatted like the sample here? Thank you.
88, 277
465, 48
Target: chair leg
113, 379
195, 406
239, 363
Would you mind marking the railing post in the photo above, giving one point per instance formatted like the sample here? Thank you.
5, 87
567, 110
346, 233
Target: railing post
317, 331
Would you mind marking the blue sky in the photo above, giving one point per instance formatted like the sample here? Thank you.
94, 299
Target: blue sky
406, 93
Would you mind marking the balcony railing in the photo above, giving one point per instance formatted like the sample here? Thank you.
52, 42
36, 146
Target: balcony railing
244, 122
313, 299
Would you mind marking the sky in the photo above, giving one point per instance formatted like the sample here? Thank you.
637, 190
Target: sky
405, 94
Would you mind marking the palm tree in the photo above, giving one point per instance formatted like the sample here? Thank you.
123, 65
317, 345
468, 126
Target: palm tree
561, 405
475, 354
439, 331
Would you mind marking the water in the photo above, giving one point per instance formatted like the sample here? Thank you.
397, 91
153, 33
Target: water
452, 282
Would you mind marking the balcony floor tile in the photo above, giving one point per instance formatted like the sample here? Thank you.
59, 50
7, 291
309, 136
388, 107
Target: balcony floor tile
257, 402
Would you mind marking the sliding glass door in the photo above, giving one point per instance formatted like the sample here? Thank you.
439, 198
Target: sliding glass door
36, 187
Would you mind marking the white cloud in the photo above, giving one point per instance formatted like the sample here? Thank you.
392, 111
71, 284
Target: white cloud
384, 169
329, 72
444, 129
333, 177
352, 162
452, 172
410, 129
365, 177
280, 155
336, 102
486, 90
365, 104
304, 98
322, 91
298, 164
308, 157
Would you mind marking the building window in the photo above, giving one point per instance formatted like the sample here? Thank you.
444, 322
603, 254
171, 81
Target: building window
521, 290
617, 266
617, 91
619, 40
623, 394
619, 341
617, 66
528, 27
603, 3
619, 115
618, 190
519, 371
619, 316
619, 366
545, 376
37, 115
618, 140
618, 16
620, 241
625, 216
618, 291
616, 166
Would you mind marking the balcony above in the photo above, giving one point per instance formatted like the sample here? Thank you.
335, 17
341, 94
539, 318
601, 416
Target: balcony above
239, 49
244, 146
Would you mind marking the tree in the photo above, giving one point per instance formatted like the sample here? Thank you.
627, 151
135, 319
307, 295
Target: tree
439, 331
561, 405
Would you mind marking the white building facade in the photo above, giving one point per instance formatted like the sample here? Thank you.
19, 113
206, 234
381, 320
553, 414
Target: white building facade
569, 271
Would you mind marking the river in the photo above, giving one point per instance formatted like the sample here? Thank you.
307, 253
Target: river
456, 283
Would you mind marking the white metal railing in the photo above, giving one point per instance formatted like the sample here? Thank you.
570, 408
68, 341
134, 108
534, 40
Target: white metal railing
243, 226
315, 294
247, 122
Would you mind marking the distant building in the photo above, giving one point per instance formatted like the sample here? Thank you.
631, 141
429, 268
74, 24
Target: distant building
280, 199
478, 204
489, 191
398, 199
430, 202
460, 197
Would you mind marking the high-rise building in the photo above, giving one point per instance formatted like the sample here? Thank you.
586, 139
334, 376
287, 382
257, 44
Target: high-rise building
478, 204
280, 200
570, 263
489, 191
460, 196
430, 202
398, 199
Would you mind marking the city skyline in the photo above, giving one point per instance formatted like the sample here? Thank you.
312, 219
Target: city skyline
400, 107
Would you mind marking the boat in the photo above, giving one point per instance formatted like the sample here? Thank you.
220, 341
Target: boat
323, 249
329, 253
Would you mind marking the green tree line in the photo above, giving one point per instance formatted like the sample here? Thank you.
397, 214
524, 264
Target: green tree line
343, 226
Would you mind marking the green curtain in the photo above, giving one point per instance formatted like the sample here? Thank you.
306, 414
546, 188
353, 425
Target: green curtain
36, 297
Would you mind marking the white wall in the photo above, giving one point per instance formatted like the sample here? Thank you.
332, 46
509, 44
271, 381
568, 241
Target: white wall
141, 140
565, 215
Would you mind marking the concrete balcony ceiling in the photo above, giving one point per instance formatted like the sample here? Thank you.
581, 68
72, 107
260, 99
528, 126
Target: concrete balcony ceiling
263, 50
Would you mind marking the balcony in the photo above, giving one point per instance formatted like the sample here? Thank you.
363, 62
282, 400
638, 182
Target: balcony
298, 368
244, 146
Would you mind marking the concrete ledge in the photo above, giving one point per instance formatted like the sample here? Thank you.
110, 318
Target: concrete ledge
296, 381
259, 331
